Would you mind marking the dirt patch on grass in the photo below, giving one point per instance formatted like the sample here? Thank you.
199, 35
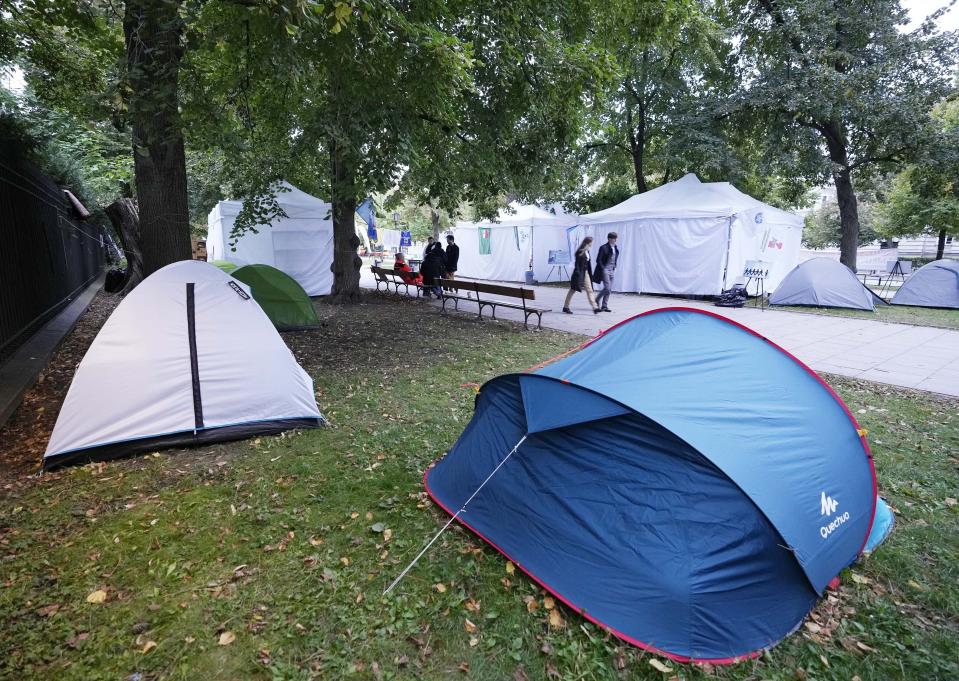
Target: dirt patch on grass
23, 439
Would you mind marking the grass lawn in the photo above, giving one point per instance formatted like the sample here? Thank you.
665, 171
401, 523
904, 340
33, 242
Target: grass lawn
899, 314
265, 559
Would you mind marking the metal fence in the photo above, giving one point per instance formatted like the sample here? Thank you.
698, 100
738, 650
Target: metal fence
47, 256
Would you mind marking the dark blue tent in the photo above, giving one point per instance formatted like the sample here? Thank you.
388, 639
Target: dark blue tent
684, 483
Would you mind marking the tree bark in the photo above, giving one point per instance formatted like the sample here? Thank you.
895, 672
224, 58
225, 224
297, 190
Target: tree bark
346, 263
154, 47
637, 144
941, 246
435, 219
126, 222
848, 219
845, 194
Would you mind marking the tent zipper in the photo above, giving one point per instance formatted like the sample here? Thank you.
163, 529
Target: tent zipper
194, 366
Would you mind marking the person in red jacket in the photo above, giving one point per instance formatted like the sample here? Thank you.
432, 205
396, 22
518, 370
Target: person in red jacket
401, 267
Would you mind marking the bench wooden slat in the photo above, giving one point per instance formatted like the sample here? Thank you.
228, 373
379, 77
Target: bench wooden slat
494, 289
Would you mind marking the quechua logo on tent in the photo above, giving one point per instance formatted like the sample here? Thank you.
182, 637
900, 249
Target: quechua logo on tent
828, 506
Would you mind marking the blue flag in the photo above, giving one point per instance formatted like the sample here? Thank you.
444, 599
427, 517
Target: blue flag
367, 211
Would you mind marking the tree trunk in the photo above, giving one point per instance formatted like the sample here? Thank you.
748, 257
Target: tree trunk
346, 263
637, 145
848, 219
126, 223
941, 246
153, 34
845, 194
435, 219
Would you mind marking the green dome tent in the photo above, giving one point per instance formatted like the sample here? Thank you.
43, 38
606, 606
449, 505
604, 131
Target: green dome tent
281, 297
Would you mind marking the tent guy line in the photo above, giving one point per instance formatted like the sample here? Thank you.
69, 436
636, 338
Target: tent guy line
454, 516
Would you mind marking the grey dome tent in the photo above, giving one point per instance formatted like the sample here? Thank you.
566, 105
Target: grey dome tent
823, 282
187, 358
933, 285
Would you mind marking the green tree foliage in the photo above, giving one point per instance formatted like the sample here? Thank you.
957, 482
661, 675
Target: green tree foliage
659, 115
823, 227
93, 161
842, 77
924, 198
449, 101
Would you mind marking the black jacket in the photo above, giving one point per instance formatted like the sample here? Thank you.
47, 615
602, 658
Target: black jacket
433, 265
577, 280
602, 259
452, 257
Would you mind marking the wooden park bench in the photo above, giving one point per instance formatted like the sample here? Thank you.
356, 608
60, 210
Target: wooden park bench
392, 278
477, 291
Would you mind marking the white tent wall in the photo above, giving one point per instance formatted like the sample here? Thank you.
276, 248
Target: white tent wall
664, 255
300, 245
694, 238
389, 238
508, 259
774, 243
546, 239
519, 236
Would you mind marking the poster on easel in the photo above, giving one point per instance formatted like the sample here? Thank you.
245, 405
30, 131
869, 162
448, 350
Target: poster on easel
559, 257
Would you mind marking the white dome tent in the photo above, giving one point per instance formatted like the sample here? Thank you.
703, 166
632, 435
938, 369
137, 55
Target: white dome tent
300, 244
502, 250
694, 238
187, 358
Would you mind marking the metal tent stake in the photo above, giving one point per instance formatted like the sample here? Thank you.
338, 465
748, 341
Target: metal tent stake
455, 516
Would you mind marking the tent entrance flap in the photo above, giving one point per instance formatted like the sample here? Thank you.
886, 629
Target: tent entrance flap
549, 404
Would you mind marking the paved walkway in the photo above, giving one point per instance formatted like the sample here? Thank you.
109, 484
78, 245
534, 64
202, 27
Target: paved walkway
918, 357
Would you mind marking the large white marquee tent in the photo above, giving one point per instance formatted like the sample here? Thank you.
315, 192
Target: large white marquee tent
504, 249
694, 238
300, 244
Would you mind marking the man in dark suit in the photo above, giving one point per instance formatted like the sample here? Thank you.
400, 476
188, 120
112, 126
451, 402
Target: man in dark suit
452, 256
606, 261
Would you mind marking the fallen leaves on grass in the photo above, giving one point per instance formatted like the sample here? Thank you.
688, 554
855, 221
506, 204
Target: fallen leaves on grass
98, 596
556, 620
659, 666
226, 638
470, 627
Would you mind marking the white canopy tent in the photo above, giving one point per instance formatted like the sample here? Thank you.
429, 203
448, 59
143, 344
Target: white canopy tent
694, 238
505, 248
300, 244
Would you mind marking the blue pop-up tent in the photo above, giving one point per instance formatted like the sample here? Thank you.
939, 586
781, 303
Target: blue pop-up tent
680, 480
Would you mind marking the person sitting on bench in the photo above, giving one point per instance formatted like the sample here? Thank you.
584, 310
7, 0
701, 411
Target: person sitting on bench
401, 267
